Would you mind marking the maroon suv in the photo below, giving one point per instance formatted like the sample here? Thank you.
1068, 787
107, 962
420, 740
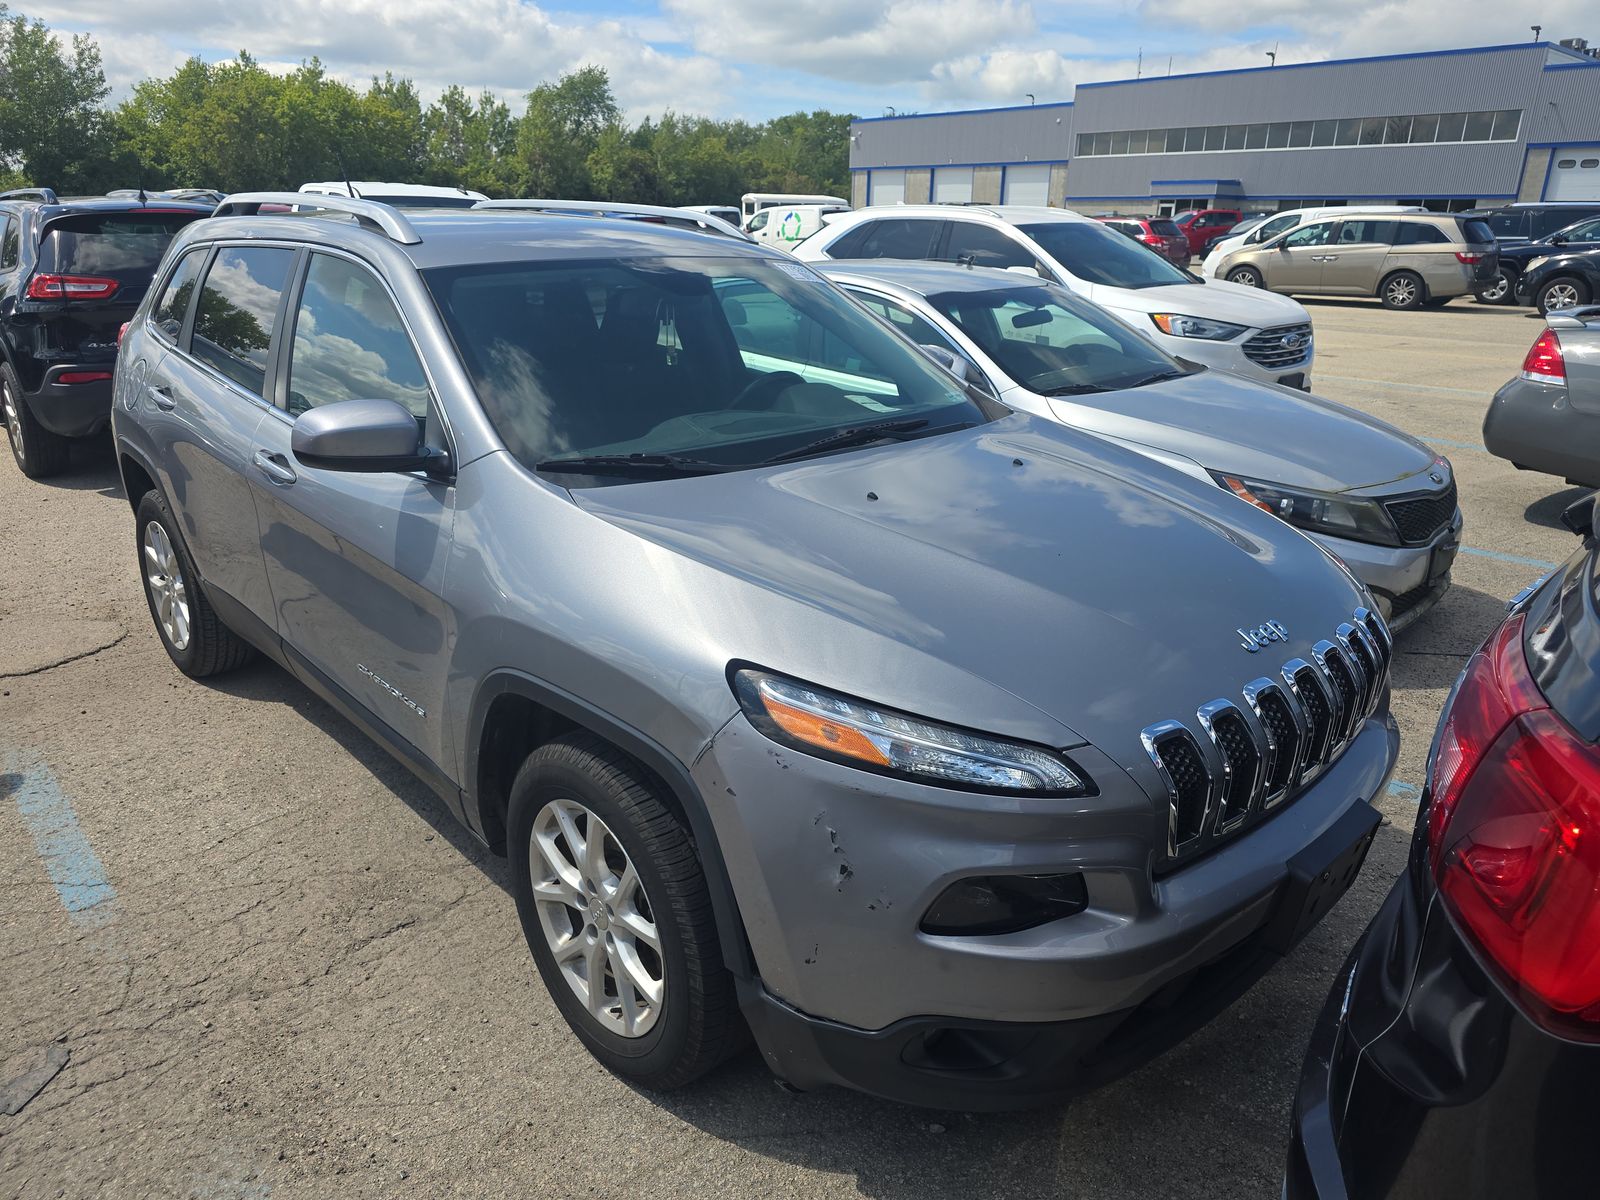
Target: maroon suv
1202, 226
1159, 233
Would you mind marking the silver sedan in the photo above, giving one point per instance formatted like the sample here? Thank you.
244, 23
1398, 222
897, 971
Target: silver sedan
1547, 418
1379, 499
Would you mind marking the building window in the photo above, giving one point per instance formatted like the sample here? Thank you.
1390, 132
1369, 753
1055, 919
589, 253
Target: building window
1494, 126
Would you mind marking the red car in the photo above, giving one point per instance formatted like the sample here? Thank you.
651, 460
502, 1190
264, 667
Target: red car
1159, 233
1202, 226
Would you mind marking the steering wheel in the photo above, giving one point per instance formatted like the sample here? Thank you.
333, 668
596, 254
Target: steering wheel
760, 393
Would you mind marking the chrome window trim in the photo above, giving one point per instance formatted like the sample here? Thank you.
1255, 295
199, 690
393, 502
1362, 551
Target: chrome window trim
1152, 736
1207, 715
1253, 691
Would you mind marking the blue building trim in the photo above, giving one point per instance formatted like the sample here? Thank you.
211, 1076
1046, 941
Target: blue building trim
1027, 162
962, 112
1329, 62
1185, 182
1323, 195
1572, 66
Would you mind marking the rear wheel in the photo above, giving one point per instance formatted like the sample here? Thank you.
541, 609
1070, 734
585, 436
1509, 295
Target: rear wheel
617, 912
1501, 290
38, 452
1564, 291
194, 636
1247, 276
1402, 290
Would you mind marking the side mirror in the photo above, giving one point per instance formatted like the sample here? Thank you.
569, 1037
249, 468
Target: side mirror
1579, 516
949, 360
363, 435
1557, 239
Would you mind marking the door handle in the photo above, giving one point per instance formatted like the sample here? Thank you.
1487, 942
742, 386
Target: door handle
275, 467
1330, 258
161, 397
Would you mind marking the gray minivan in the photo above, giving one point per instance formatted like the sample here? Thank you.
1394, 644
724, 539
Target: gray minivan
811, 694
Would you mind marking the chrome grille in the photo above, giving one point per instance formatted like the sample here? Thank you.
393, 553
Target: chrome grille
1267, 348
1289, 729
1418, 518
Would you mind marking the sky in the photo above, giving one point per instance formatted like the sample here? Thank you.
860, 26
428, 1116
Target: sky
760, 58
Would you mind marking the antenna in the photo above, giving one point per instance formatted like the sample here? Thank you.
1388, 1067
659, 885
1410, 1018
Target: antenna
1169, 65
1272, 55
344, 173
1139, 71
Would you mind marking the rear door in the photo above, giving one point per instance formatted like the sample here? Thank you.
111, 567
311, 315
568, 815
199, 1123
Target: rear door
356, 561
1354, 263
203, 400
893, 237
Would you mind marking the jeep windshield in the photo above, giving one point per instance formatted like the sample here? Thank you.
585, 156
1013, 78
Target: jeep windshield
1096, 254
1054, 344
604, 371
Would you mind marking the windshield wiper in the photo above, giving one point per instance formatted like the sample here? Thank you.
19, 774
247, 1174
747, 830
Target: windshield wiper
1074, 389
1158, 377
855, 435
633, 464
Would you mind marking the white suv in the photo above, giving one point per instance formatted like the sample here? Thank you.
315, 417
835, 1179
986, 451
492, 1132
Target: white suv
1241, 329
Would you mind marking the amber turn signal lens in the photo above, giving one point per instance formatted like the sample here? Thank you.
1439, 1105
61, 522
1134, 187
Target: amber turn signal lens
823, 733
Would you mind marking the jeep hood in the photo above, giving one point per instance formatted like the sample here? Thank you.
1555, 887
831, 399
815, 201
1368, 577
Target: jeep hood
1099, 587
1261, 431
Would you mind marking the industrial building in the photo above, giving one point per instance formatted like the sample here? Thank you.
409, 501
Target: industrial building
1451, 129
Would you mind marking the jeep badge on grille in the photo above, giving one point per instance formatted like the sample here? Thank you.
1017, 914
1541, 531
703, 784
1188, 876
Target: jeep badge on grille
1262, 635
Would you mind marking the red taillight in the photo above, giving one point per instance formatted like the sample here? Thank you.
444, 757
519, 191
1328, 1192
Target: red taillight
70, 287
1467, 258
1544, 363
1150, 239
1514, 836
82, 376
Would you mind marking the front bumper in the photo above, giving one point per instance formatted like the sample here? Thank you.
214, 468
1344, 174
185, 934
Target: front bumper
833, 871
72, 409
1407, 581
1230, 356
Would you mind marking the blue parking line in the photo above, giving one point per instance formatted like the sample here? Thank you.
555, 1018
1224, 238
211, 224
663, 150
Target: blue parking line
1405, 791
1439, 441
70, 862
1510, 558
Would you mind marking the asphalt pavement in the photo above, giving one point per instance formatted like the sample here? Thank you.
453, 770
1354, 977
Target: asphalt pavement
243, 954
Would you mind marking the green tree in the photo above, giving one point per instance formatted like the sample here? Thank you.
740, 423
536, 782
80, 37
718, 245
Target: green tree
561, 128
53, 130
467, 146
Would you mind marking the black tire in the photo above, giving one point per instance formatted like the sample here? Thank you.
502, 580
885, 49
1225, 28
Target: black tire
1248, 276
1502, 291
211, 647
698, 1025
38, 452
1561, 286
1403, 290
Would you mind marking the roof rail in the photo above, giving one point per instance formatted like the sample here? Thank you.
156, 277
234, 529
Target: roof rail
380, 218
684, 217
48, 195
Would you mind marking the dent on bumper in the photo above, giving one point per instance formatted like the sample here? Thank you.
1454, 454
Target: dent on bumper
833, 869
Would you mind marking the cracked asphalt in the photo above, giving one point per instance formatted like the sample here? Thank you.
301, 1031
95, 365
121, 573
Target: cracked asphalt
299, 979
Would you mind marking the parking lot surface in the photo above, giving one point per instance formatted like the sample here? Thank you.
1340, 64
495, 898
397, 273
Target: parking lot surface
277, 968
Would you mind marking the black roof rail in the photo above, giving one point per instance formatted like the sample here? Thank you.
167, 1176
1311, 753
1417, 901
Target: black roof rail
47, 195
380, 218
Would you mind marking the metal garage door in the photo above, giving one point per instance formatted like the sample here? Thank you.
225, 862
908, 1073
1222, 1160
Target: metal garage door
952, 185
1028, 184
1574, 174
887, 187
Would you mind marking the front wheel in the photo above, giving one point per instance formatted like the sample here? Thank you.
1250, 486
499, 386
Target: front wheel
1402, 290
1564, 291
617, 912
1246, 276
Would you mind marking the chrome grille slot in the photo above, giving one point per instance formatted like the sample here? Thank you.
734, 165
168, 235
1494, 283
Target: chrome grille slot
1357, 645
1189, 784
1381, 641
1241, 760
1305, 681
1284, 737
1346, 690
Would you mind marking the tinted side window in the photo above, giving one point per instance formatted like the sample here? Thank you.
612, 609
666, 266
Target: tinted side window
238, 309
898, 237
1552, 219
170, 310
1510, 223
1271, 229
350, 344
1366, 231
907, 322
1310, 235
1419, 233
983, 246
9, 230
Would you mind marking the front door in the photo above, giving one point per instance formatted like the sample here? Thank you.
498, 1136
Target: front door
1295, 264
357, 561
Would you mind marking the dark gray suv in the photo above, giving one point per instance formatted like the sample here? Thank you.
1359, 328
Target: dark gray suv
958, 756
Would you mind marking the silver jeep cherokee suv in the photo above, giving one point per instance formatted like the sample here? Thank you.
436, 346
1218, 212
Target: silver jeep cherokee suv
958, 756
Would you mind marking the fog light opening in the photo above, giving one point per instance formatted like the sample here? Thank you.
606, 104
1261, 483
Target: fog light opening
996, 904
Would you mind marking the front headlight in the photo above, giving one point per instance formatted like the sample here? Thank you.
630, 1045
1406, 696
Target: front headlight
1536, 262
1340, 516
878, 739
1179, 325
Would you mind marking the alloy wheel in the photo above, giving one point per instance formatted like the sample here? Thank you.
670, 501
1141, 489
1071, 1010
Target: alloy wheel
1247, 278
1560, 295
164, 574
596, 918
13, 418
1497, 290
1402, 292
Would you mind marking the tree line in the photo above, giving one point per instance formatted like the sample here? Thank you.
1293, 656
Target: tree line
236, 126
